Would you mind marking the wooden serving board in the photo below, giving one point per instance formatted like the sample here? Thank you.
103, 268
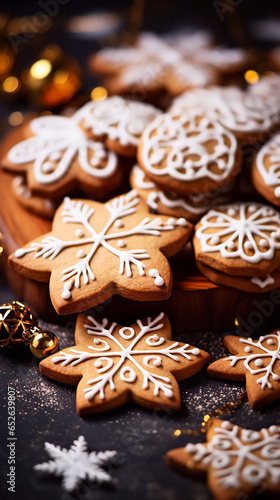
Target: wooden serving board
195, 303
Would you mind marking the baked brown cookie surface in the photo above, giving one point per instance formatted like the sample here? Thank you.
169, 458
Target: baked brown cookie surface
111, 363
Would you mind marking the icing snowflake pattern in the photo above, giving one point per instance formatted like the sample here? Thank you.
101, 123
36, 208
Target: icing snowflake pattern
240, 456
271, 176
235, 109
77, 464
77, 212
106, 347
118, 118
171, 141
255, 362
245, 230
56, 143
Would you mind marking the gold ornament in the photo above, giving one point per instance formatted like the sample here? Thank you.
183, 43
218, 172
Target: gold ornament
19, 328
43, 343
15, 322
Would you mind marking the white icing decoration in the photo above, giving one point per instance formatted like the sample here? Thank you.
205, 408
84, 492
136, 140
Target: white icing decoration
196, 204
271, 355
263, 282
62, 136
158, 350
78, 212
139, 178
77, 464
66, 294
271, 151
79, 233
239, 456
237, 110
247, 349
121, 244
131, 374
159, 281
236, 230
81, 254
119, 119
178, 142
118, 223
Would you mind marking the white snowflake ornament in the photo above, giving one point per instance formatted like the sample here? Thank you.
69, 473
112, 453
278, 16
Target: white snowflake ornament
257, 361
77, 464
96, 250
113, 363
238, 462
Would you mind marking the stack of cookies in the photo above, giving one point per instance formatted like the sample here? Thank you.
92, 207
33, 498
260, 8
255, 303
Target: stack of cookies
187, 163
238, 245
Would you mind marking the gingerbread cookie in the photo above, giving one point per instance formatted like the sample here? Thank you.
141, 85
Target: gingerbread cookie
149, 67
257, 362
35, 204
223, 59
242, 239
95, 251
237, 462
117, 121
188, 153
111, 363
255, 284
266, 170
192, 207
58, 156
249, 117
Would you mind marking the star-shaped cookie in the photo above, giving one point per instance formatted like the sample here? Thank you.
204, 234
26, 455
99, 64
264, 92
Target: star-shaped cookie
97, 250
256, 361
111, 363
57, 156
238, 462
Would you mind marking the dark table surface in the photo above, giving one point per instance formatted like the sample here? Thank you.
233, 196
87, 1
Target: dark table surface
45, 410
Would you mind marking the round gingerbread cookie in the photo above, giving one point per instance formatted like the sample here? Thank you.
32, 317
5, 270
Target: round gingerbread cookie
241, 239
192, 206
188, 153
35, 204
249, 117
117, 121
57, 157
266, 170
254, 284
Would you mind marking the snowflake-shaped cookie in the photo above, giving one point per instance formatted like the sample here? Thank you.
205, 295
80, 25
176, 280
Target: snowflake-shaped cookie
241, 112
95, 251
150, 65
237, 461
257, 361
59, 156
77, 464
112, 364
242, 238
117, 120
267, 163
185, 152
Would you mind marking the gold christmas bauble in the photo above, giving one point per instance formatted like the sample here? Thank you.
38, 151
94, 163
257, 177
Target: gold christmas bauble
15, 322
43, 343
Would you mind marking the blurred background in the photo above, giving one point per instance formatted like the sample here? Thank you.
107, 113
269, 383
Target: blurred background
45, 45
